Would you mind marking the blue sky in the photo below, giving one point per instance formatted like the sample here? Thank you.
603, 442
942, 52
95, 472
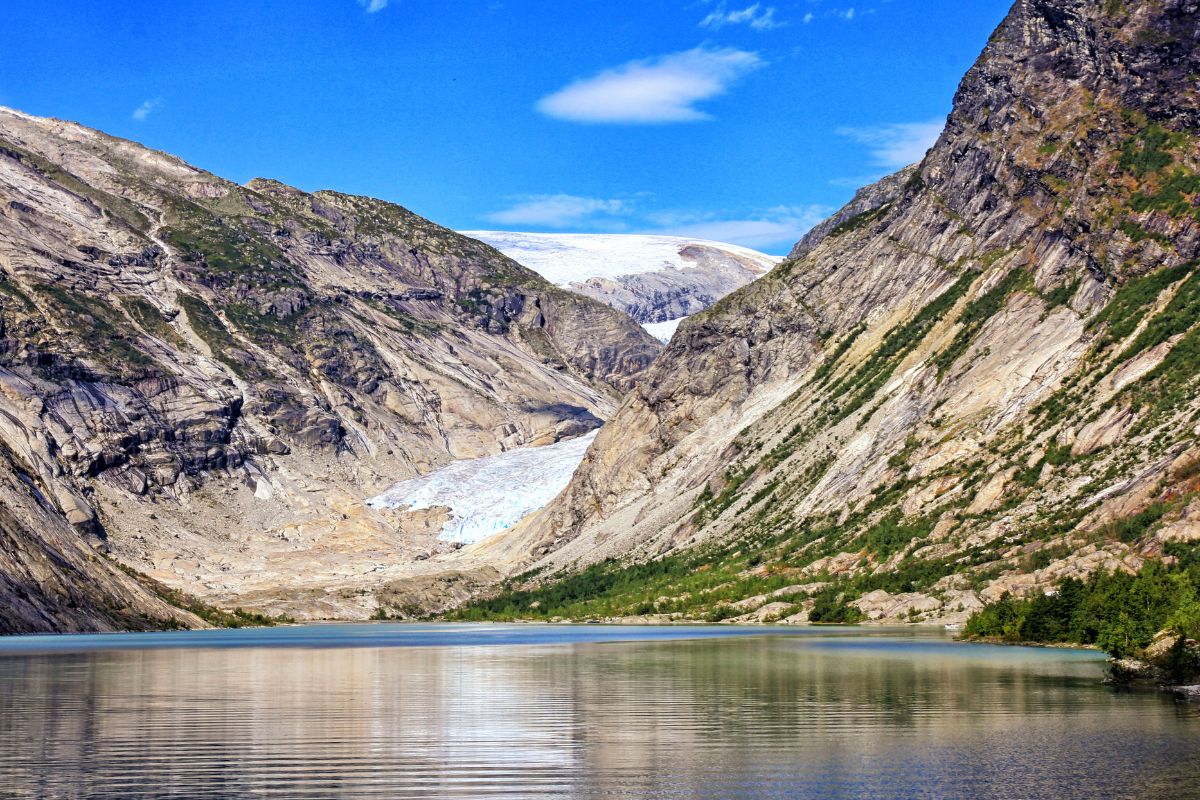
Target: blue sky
739, 121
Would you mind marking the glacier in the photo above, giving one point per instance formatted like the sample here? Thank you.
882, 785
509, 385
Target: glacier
663, 331
490, 494
570, 260
563, 258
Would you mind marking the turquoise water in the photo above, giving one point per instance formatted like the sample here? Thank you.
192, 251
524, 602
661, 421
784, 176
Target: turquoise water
588, 711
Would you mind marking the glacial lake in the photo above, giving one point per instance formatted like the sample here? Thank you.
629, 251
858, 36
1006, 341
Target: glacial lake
579, 711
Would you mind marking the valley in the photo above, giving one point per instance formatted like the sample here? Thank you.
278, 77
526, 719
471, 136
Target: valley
973, 382
575, 400
202, 382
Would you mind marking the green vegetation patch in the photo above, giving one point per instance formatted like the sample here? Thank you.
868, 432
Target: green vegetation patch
1125, 311
977, 313
1130, 529
863, 219
1116, 611
147, 315
825, 371
1137, 233
1176, 195
100, 326
208, 326
855, 389
265, 327
891, 535
1060, 295
10, 289
700, 583
1179, 315
1147, 151
712, 507
228, 253
1168, 386
830, 607
1171, 385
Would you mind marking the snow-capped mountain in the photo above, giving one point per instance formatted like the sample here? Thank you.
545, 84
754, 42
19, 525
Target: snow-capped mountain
657, 280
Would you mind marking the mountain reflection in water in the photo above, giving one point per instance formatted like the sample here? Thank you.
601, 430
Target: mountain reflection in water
396, 711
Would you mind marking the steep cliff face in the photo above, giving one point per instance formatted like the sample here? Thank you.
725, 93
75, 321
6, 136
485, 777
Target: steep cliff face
980, 376
51, 578
868, 203
205, 380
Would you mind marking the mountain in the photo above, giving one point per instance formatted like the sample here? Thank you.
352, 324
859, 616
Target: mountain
657, 280
979, 377
201, 382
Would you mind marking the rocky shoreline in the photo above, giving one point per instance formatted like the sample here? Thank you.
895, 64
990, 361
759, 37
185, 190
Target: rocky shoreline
1171, 663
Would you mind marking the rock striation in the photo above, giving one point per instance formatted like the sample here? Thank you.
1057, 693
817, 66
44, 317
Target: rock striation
979, 376
201, 381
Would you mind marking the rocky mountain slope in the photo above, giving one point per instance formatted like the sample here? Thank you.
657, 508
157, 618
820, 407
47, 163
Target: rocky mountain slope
979, 377
655, 279
202, 381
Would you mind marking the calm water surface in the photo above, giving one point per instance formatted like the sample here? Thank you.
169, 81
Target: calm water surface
524, 711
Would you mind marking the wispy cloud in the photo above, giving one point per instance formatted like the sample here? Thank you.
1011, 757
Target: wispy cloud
143, 111
757, 17
558, 210
848, 14
899, 144
770, 229
373, 6
654, 90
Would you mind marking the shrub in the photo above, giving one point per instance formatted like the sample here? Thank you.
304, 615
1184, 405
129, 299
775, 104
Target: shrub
1119, 612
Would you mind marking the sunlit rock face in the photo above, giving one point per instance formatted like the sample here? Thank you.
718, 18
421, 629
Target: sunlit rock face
205, 380
967, 379
657, 280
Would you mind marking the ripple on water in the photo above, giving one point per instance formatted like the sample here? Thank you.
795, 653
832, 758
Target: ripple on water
553, 713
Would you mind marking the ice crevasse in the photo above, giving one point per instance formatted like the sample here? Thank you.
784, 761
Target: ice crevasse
490, 494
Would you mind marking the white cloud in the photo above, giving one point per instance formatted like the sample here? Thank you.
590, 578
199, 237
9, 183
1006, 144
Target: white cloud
845, 14
775, 228
899, 144
143, 111
761, 19
558, 210
373, 5
653, 90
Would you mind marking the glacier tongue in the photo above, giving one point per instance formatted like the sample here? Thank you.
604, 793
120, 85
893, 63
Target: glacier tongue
663, 331
564, 258
487, 495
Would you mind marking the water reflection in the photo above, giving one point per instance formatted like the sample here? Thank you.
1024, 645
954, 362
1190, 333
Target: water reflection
759, 717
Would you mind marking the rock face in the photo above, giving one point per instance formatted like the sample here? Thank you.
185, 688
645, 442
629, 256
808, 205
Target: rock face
978, 373
204, 380
869, 202
654, 279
